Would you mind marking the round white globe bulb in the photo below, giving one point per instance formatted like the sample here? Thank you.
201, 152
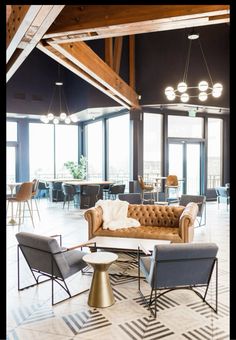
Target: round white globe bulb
55, 121
182, 87
67, 120
184, 97
216, 93
217, 87
202, 96
169, 90
63, 116
203, 86
50, 116
171, 96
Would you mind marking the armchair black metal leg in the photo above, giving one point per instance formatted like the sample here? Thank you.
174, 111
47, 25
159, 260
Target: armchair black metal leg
18, 272
138, 268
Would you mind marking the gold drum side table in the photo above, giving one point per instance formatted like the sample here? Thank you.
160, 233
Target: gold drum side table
100, 294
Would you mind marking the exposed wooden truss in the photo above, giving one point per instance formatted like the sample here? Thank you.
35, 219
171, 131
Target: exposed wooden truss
63, 60
80, 54
59, 31
89, 22
26, 25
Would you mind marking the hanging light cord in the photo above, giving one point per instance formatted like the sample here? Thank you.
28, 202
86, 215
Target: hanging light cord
54, 90
63, 93
203, 55
187, 62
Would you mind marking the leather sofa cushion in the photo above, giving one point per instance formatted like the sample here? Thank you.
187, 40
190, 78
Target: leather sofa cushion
156, 215
149, 232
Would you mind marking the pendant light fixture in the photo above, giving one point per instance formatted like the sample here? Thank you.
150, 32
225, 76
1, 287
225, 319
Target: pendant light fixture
185, 91
58, 110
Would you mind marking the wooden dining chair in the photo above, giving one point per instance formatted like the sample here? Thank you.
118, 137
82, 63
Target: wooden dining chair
23, 195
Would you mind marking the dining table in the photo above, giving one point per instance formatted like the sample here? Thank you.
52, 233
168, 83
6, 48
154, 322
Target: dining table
82, 183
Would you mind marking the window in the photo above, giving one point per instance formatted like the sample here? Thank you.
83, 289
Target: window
94, 146
119, 149
181, 126
11, 164
214, 153
11, 131
41, 150
11, 151
152, 146
66, 148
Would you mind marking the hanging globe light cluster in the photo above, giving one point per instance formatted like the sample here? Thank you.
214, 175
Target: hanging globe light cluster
202, 91
61, 116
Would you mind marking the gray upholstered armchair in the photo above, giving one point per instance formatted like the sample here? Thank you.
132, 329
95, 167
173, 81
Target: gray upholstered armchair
178, 266
45, 257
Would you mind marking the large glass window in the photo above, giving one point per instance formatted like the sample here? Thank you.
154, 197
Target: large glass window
66, 148
41, 150
152, 146
181, 126
214, 154
11, 152
11, 131
119, 149
11, 164
94, 153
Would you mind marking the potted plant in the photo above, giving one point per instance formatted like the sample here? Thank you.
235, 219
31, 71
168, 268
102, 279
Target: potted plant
78, 170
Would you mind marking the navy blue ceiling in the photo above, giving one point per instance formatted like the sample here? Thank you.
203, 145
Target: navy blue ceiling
160, 61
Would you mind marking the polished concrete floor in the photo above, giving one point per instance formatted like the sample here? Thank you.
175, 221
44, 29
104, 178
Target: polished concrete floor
181, 314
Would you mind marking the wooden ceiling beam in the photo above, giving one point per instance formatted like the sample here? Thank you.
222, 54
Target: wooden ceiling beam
117, 54
88, 22
60, 58
25, 27
132, 61
109, 52
87, 60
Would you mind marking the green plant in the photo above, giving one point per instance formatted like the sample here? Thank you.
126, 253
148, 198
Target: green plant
78, 170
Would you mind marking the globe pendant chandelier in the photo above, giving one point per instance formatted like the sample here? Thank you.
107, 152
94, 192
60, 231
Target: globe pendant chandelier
57, 99
202, 90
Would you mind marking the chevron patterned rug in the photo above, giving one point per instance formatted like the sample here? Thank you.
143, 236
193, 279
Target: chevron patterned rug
180, 314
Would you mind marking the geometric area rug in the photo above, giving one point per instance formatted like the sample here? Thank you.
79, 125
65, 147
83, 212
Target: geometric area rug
181, 315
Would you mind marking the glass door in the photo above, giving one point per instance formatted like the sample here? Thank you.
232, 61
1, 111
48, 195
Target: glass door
185, 161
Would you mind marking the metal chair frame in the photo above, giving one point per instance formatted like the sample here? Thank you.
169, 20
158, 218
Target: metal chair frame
50, 276
168, 289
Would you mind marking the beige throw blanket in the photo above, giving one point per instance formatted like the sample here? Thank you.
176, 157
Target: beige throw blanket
115, 214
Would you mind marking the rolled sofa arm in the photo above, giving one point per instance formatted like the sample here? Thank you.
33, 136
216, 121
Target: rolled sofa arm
186, 222
95, 220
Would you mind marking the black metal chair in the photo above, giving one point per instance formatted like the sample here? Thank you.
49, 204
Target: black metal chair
56, 191
223, 195
69, 192
105, 190
178, 266
89, 196
201, 202
45, 257
116, 189
43, 189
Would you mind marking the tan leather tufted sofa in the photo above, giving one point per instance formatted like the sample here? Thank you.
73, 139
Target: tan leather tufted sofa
174, 223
